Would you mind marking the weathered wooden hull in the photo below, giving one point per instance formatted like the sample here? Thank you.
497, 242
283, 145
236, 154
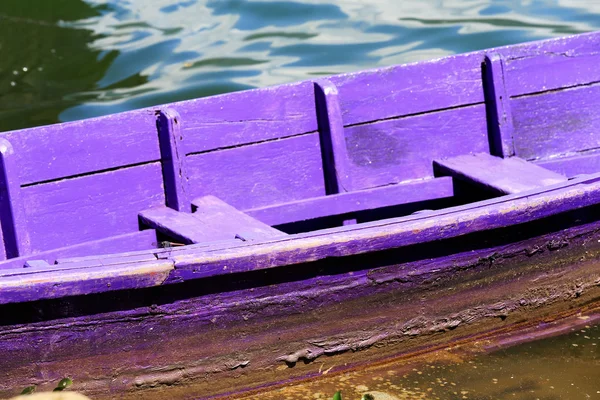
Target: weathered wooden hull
322, 224
222, 334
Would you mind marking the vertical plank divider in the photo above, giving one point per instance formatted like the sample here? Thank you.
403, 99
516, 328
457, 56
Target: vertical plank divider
333, 140
173, 158
497, 105
12, 212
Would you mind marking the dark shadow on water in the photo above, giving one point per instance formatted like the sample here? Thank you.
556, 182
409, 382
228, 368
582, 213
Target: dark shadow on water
44, 60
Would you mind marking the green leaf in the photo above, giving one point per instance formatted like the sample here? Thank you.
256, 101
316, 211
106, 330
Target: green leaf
63, 384
28, 390
337, 395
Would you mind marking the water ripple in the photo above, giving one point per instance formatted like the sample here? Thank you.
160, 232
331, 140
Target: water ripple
102, 57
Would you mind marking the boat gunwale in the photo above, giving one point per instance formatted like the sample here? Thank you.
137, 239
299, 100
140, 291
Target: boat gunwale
190, 264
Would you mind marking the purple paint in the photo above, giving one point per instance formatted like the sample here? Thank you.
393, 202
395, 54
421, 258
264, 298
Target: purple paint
348, 161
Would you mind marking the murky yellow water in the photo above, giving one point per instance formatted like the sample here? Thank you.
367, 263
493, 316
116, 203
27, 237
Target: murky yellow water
561, 367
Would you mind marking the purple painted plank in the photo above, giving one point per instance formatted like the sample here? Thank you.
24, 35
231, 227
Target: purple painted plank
248, 117
402, 149
74, 148
262, 174
173, 160
502, 175
226, 219
549, 70
15, 234
92, 207
148, 255
500, 128
333, 139
410, 89
579, 164
103, 247
182, 227
48, 285
557, 123
361, 200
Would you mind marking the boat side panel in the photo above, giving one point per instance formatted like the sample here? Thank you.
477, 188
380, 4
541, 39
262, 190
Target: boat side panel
403, 149
92, 207
548, 70
261, 174
74, 148
410, 89
588, 163
558, 123
247, 117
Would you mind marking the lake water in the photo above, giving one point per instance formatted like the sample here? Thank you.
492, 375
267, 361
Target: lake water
70, 59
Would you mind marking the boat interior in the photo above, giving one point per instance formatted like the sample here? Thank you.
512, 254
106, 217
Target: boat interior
262, 164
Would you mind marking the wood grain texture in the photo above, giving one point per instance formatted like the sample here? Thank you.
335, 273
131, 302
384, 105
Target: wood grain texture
262, 174
73, 211
501, 175
248, 117
361, 200
15, 232
402, 149
571, 166
73, 148
173, 160
558, 123
181, 227
22, 288
211, 211
410, 89
129, 242
550, 70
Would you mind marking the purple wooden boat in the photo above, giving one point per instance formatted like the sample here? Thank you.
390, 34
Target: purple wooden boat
313, 225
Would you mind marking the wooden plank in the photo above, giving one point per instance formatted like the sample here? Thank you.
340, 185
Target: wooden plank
333, 139
400, 150
502, 175
80, 147
103, 247
361, 200
93, 207
213, 212
410, 89
499, 117
173, 160
547, 70
261, 174
182, 227
228, 120
587, 163
15, 233
557, 123
49, 285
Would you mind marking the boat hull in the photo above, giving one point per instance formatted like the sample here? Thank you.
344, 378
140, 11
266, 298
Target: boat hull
228, 334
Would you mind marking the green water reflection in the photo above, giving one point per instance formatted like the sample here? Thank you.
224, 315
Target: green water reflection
71, 59
563, 367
